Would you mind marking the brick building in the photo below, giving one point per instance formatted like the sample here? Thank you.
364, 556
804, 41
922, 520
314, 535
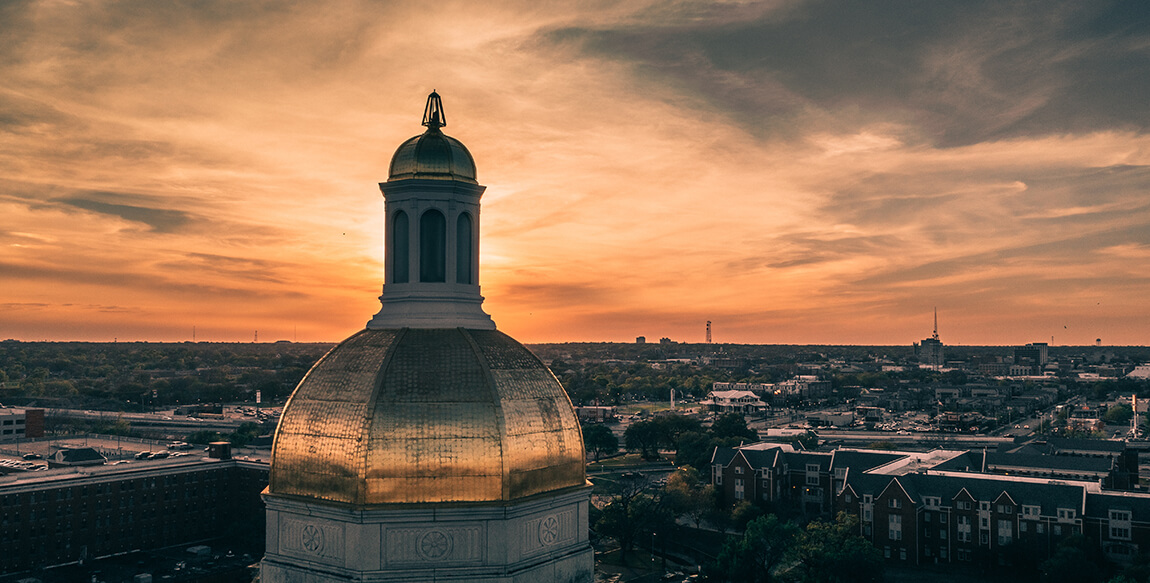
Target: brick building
946, 506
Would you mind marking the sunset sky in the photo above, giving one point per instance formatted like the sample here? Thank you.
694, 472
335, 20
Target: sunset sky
794, 171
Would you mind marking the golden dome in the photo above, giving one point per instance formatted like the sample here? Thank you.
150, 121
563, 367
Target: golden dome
405, 416
432, 155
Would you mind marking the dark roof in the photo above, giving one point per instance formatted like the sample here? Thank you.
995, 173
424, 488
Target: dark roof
761, 458
1080, 444
723, 456
79, 455
970, 461
1052, 462
1100, 505
799, 459
860, 461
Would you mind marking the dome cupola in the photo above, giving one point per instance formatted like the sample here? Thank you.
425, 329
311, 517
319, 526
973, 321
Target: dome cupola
433, 155
431, 248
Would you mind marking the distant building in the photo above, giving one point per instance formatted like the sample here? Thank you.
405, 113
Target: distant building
62, 516
640, 340
20, 424
76, 457
929, 350
1032, 356
734, 402
596, 414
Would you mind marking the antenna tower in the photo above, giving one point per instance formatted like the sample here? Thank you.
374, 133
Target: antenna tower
708, 331
935, 335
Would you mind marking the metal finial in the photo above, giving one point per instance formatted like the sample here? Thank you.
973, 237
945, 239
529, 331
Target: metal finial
433, 116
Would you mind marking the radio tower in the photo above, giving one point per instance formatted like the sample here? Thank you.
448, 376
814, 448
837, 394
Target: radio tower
935, 335
708, 331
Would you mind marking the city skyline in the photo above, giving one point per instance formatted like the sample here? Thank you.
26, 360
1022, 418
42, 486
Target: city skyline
794, 172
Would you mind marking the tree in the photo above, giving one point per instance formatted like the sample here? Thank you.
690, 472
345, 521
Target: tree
630, 514
600, 440
757, 555
695, 449
688, 495
672, 427
733, 425
830, 552
1119, 414
645, 437
1071, 562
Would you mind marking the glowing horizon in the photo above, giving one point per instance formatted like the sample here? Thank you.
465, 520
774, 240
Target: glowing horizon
790, 170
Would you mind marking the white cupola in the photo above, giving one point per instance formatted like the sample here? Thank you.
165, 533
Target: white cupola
431, 248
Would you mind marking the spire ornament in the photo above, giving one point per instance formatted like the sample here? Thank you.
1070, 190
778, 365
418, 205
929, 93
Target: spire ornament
433, 116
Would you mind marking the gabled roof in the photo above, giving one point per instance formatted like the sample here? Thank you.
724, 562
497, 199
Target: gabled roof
723, 456
798, 460
1048, 494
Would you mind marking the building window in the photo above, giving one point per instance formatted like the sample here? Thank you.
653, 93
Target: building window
432, 247
902, 553
931, 501
847, 498
964, 529
738, 489
894, 527
1021, 527
1120, 524
962, 505
1005, 509
926, 517
1057, 530
1066, 514
739, 470
1005, 532
894, 503
1040, 528
984, 506
463, 255
399, 248
1031, 511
